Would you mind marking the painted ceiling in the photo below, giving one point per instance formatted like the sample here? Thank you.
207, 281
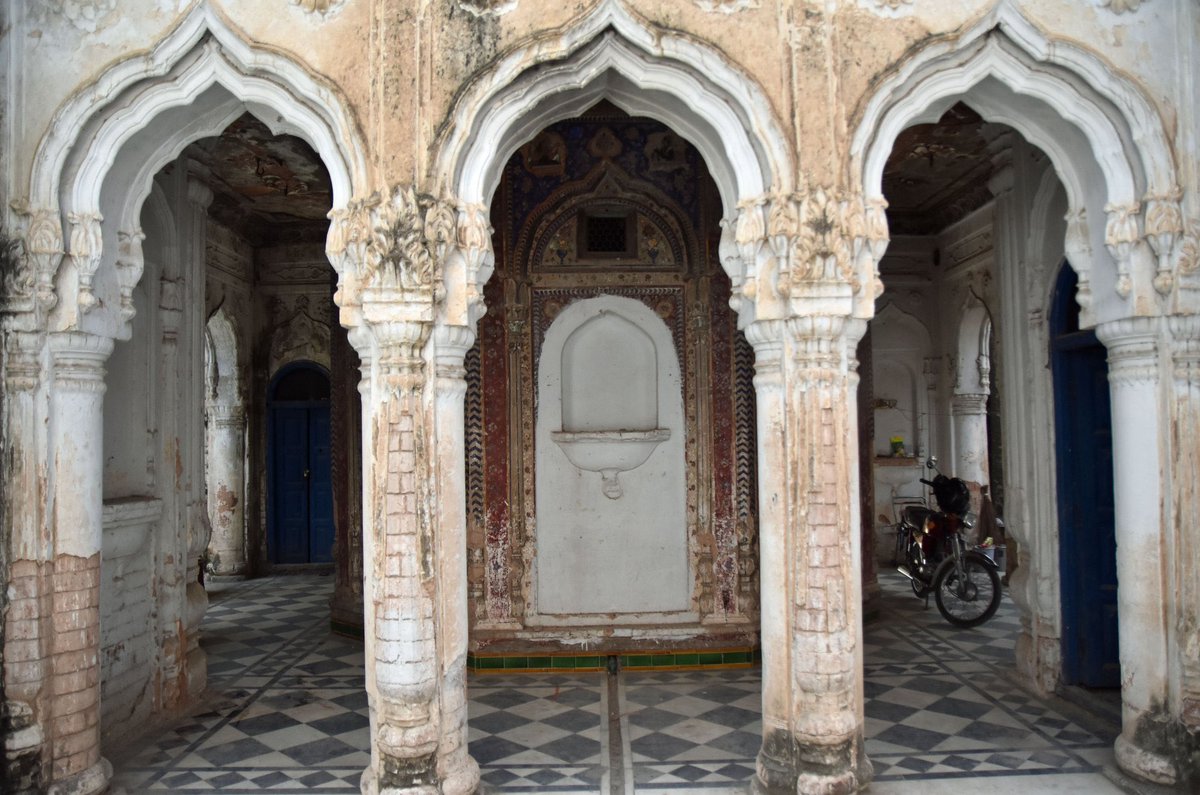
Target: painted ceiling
938, 173
271, 188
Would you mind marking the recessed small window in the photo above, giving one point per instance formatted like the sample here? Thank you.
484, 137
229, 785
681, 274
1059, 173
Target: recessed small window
608, 234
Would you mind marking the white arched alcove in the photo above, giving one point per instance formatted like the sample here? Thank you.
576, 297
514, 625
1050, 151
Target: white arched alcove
612, 532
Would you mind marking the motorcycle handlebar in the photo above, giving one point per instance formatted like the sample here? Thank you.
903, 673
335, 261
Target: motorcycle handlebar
927, 482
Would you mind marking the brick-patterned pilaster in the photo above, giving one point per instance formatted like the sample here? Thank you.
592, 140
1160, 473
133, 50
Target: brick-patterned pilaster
401, 586
811, 586
27, 631
75, 436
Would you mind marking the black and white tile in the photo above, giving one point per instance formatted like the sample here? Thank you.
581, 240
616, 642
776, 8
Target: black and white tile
287, 713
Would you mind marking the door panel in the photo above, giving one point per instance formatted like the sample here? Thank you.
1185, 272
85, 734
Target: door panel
290, 500
320, 496
1088, 561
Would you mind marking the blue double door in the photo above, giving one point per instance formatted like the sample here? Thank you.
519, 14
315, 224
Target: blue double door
301, 494
1087, 534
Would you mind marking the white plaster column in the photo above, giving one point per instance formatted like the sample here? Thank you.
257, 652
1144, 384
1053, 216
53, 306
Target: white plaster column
76, 433
810, 549
1184, 539
226, 498
457, 771
969, 413
1135, 375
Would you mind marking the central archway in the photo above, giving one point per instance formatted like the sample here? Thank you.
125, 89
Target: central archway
696, 92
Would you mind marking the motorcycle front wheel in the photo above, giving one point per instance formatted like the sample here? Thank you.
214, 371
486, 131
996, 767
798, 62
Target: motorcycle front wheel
971, 600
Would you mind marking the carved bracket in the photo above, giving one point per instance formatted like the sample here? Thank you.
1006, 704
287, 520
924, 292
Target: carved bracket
1120, 237
87, 248
130, 265
42, 244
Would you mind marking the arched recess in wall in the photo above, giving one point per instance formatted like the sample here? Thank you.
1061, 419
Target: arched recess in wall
612, 54
93, 169
1103, 136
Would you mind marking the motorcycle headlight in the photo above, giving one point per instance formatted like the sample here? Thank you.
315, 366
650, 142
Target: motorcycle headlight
969, 518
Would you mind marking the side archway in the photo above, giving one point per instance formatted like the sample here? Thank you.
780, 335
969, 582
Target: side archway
1108, 148
93, 170
1102, 134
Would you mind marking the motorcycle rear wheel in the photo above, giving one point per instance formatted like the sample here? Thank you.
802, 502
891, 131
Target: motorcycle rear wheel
974, 600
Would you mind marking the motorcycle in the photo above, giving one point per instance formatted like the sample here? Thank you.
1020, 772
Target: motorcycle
937, 558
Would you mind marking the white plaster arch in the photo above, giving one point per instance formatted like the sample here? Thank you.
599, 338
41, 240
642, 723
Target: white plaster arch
1103, 136
1049, 190
645, 71
201, 51
901, 342
94, 168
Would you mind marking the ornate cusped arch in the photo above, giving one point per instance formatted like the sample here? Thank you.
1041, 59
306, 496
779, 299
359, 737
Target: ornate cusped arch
1104, 137
614, 55
94, 167
202, 51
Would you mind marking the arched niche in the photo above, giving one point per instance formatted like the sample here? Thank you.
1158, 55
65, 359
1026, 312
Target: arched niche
610, 469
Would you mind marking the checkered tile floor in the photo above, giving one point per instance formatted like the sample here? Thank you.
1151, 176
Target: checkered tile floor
287, 713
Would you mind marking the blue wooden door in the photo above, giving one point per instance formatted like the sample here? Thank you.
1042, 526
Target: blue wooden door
289, 498
300, 483
320, 488
1087, 537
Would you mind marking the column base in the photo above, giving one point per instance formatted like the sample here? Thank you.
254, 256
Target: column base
90, 782
813, 770
1150, 765
370, 785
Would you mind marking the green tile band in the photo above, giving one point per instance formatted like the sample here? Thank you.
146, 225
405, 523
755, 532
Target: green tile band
641, 661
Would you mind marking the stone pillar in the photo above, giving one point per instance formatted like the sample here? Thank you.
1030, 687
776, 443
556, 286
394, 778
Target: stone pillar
226, 498
1139, 434
398, 266
969, 412
810, 548
76, 431
28, 627
457, 771
407, 630
1185, 537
